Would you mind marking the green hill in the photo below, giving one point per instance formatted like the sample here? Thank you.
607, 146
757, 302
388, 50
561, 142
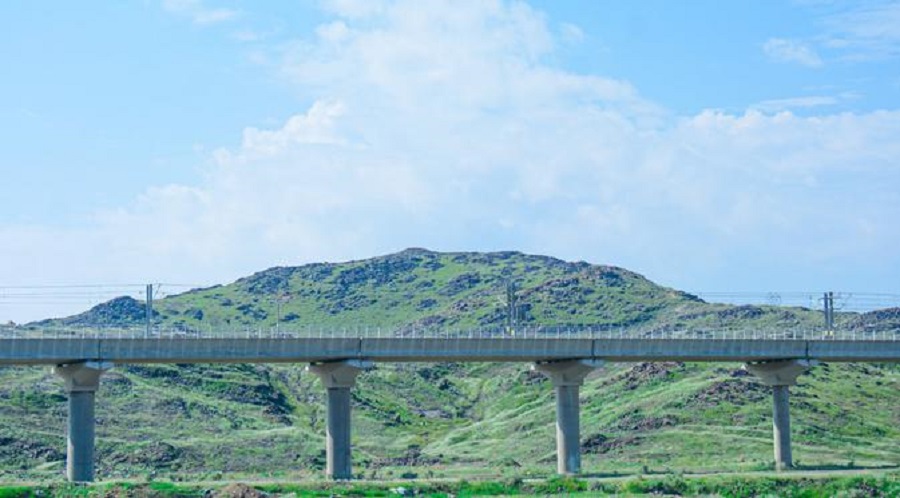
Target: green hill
452, 420
420, 288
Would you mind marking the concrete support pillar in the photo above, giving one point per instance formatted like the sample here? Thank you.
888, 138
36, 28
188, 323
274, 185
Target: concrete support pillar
82, 381
780, 375
781, 427
567, 377
338, 378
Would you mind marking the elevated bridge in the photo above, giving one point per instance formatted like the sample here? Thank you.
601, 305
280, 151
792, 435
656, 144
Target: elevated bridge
566, 355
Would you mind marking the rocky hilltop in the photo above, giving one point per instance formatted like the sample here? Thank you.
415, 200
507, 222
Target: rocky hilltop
422, 288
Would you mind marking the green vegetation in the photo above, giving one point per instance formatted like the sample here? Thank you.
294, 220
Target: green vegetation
487, 423
887, 485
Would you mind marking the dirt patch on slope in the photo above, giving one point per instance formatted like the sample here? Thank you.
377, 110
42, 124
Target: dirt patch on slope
638, 423
599, 443
237, 490
733, 391
647, 372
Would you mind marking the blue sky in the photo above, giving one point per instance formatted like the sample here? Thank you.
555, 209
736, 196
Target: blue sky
708, 145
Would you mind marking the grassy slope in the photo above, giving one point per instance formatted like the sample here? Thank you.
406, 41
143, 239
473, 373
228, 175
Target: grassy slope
449, 419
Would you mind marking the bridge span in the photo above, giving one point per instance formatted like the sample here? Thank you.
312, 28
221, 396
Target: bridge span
337, 357
55, 351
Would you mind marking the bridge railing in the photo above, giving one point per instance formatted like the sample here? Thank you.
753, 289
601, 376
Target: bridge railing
506, 333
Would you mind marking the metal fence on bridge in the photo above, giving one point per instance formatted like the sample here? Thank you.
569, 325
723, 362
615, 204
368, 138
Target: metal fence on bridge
517, 333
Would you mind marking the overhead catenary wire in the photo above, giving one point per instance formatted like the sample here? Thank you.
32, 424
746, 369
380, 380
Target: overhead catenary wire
65, 299
29, 302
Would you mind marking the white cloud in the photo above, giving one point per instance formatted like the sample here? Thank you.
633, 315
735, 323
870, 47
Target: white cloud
571, 33
785, 50
335, 32
199, 13
356, 9
777, 105
439, 125
868, 30
847, 32
314, 127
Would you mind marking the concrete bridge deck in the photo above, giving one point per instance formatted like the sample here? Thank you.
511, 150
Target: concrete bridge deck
57, 351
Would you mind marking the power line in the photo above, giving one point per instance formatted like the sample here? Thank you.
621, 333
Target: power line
67, 286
